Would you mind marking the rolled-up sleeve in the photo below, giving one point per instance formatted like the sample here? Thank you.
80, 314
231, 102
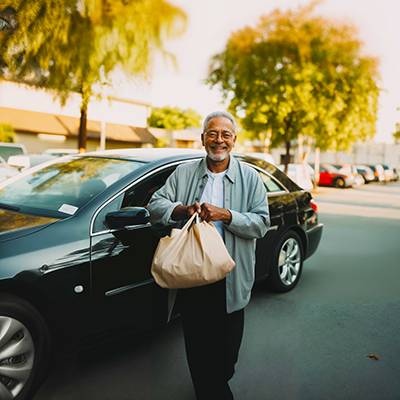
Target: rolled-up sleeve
162, 204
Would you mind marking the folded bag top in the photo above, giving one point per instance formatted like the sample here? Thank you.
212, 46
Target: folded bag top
192, 256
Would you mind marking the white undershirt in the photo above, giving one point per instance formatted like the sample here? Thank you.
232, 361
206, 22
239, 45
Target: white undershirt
214, 194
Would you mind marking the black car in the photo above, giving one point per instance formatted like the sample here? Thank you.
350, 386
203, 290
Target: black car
76, 249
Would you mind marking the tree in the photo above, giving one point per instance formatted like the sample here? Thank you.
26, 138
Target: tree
396, 135
6, 133
73, 46
173, 118
299, 75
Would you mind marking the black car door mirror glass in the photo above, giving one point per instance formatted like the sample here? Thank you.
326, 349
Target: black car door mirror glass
127, 216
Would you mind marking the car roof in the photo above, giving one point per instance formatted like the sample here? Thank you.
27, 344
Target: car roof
146, 155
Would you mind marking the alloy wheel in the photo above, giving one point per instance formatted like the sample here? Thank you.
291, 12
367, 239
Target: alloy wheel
17, 354
289, 261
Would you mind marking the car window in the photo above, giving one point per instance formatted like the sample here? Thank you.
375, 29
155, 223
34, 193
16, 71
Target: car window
140, 194
100, 220
136, 196
62, 188
270, 184
7, 151
330, 168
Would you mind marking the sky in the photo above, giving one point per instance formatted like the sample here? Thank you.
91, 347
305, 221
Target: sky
210, 23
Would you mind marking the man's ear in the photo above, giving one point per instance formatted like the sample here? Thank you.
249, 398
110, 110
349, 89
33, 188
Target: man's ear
202, 139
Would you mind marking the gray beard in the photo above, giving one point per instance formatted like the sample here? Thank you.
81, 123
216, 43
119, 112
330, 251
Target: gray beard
217, 158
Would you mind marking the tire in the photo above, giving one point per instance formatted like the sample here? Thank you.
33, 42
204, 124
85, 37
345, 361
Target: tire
24, 348
339, 183
287, 263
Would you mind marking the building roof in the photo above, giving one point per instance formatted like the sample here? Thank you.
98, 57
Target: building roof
36, 122
176, 134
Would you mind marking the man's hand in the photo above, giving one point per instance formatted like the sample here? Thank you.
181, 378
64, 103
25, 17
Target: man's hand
207, 212
213, 213
185, 212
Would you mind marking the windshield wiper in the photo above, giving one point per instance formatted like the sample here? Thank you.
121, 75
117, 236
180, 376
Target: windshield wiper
7, 207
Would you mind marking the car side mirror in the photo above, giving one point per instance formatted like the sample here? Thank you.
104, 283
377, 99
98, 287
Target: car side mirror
127, 216
20, 162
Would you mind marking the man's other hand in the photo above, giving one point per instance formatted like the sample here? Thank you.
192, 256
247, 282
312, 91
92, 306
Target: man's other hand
213, 213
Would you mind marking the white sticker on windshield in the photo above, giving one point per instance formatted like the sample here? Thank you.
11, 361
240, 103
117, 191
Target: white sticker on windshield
67, 209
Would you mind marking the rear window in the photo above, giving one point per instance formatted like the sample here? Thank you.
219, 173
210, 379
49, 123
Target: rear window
62, 188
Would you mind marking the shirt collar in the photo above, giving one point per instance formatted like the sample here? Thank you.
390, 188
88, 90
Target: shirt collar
231, 168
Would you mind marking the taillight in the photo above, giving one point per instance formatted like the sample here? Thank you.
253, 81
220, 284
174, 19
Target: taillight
313, 205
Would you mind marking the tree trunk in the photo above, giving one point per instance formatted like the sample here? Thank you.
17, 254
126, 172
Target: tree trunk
267, 140
306, 155
287, 156
82, 130
316, 166
300, 142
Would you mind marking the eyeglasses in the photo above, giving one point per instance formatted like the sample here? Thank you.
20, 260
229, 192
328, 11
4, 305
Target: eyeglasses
225, 135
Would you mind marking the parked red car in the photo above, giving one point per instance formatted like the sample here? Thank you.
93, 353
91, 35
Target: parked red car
330, 176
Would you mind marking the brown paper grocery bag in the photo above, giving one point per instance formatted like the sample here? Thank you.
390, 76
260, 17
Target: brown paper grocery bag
191, 257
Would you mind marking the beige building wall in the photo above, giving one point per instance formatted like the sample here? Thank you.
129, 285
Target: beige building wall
114, 110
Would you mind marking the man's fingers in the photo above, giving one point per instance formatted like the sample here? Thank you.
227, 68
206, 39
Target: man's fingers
194, 208
206, 212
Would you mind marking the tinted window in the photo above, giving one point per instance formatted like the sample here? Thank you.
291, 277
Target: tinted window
140, 194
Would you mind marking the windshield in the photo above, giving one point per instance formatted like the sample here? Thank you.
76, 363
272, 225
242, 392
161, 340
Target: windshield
62, 188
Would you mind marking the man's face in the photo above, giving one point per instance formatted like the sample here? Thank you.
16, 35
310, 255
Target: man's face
219, 146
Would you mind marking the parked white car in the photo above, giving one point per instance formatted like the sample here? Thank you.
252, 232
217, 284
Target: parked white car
23, 162
6, 171
11, 149
302, 177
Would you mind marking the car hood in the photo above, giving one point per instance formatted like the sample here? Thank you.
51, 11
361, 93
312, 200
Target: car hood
13, 224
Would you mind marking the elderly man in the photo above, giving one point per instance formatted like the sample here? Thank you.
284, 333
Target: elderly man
231, 196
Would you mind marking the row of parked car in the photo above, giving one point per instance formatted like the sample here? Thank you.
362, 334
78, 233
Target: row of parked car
336, 175
341, 175
346, 175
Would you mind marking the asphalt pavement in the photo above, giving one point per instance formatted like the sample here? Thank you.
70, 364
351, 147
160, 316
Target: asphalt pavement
311, 343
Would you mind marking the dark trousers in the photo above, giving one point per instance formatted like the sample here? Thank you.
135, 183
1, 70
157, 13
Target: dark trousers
212, 339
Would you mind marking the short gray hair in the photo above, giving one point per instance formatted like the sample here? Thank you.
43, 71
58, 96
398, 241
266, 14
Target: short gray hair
215, 114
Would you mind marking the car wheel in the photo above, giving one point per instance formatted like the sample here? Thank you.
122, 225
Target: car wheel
24, 348
339, 183
287, 263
